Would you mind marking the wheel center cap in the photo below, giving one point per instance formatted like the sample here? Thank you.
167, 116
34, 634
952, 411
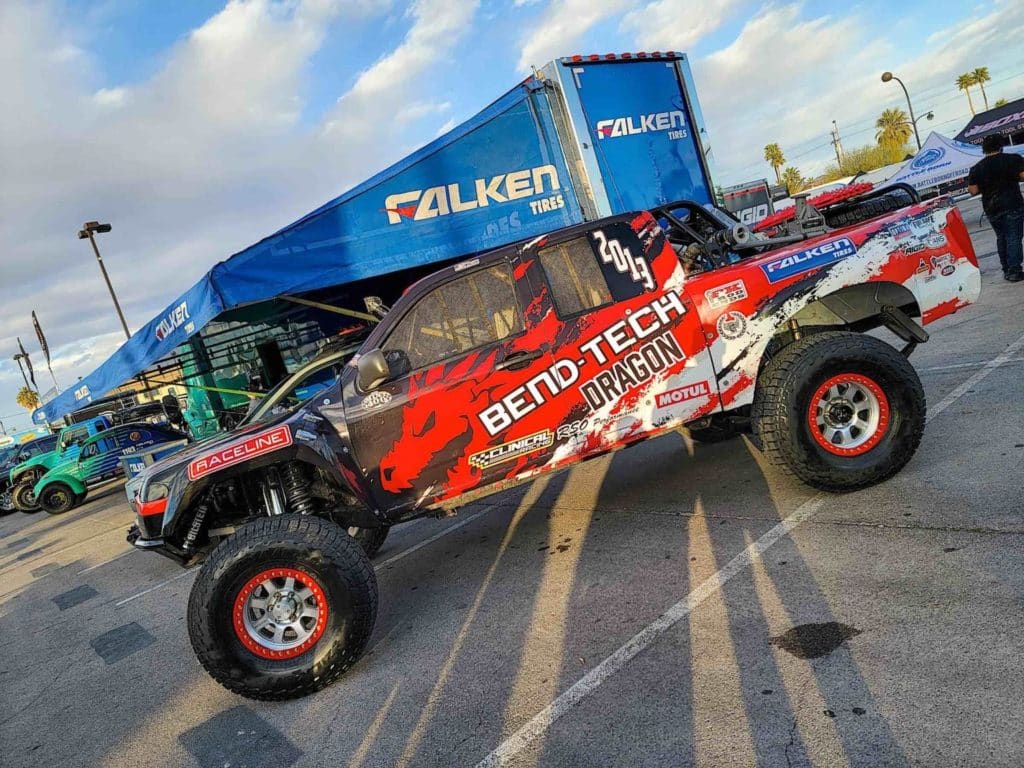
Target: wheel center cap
839, 413
282, 607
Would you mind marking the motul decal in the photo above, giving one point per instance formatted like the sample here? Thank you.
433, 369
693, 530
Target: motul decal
726, 294
512, 449
597, 351
251, 447
682, 394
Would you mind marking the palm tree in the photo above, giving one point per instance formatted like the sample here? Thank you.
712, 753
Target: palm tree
773, 155
1000, 103
964, 83
793, 180
894, 128
981, 76
27, 398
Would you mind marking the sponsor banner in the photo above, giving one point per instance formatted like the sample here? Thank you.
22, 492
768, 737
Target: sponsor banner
749, 202
792, 264
513, 449
243, 450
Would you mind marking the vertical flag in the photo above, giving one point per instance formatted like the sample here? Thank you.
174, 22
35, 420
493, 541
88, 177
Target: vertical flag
42, 339
28, 362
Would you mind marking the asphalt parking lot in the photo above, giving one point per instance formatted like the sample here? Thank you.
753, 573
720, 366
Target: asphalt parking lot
670, 605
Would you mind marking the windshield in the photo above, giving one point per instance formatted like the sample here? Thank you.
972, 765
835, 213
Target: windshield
296, 389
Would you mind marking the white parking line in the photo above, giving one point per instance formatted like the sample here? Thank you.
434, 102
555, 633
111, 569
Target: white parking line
105, 562
378, 566
538, 725
958, 366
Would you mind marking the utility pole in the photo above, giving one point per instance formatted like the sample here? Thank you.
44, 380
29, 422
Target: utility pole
837, 144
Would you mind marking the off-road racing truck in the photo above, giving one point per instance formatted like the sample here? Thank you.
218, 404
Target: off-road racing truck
532, 358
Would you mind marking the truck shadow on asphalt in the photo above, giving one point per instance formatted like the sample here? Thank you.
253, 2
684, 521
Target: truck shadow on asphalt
482, 629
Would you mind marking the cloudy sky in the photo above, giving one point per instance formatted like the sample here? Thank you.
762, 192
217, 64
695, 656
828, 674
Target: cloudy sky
197, 128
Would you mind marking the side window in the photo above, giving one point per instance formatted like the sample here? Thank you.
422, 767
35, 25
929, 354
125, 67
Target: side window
473, 310
597, 268
73, 437
90, 450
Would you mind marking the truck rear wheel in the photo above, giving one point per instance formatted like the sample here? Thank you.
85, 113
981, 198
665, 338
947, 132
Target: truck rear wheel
25, 498
840, 411
57, 498
282, 608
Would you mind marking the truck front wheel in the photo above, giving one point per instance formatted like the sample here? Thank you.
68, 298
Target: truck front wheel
25, 498
58, 498
283, 607
840, 411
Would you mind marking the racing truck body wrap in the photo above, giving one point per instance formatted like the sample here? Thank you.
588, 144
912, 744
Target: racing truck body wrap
661, 350
536, 356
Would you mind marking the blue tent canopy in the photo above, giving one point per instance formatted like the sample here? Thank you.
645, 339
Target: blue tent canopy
468, 191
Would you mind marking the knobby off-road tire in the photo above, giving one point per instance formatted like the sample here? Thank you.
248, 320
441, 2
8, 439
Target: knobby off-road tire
260, 574
58, 498
24, 498
370, 539
840, 411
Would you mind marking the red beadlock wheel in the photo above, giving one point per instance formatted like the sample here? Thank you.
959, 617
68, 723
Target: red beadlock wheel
280, 613
848, 414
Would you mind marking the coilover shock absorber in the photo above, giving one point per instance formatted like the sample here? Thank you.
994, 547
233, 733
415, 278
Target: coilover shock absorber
296, 488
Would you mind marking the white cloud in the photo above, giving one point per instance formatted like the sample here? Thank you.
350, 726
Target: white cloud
189, 165
562, 25
674, 24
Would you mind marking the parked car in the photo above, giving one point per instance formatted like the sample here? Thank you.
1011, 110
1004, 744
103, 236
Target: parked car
14, 455
532, 358
24, 475
65, 486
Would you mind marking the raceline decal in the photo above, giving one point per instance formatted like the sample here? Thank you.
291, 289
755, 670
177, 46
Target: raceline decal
726, 294
265, 442
512, 449
419, 204
612, 252
732, 325
674, 121
804, 261
174, 320
638, 329
682, 394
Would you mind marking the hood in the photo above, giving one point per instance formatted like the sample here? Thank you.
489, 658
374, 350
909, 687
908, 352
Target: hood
45, 460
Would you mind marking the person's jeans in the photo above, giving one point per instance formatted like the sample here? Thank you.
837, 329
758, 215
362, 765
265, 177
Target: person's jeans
1009, 229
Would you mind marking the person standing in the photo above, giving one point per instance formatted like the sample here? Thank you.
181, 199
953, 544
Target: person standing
997, 178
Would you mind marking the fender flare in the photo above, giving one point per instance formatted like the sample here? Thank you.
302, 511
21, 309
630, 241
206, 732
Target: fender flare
76, 485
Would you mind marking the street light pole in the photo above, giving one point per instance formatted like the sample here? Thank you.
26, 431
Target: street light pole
886, 77
87, 231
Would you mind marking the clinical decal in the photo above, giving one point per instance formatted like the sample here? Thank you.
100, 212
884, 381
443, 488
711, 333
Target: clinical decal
513, 449
732, 325
682, 394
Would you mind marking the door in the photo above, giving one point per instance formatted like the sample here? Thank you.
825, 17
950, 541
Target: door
431, 432
627, 334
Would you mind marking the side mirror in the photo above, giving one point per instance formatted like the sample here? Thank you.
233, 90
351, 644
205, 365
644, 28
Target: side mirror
372, 370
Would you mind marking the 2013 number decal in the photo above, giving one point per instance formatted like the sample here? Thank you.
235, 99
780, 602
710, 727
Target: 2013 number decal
612, 252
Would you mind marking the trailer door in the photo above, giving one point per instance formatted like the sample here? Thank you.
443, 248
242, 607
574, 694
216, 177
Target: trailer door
640, 129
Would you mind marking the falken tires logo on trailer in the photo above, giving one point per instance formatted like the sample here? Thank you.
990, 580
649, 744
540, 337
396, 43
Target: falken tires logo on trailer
446, 199
616, 127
